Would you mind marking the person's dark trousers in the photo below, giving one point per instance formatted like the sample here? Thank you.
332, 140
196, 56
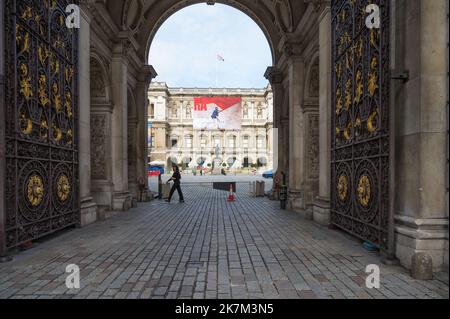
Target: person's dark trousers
177, 187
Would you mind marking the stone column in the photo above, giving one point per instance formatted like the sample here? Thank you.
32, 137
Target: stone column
88, 206
119, 131
2, 136
297, 138
321, 209
421, 133
141, 156
275, 78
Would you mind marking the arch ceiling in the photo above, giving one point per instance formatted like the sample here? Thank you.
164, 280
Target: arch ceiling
142, 18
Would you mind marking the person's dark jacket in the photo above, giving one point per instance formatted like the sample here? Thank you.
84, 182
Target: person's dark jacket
176, 177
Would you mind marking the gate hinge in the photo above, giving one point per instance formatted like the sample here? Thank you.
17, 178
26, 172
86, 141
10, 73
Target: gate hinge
404, 77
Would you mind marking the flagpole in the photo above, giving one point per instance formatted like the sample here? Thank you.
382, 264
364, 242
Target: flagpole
217, 70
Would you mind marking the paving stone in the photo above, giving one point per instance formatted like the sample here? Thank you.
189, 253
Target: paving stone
207, 248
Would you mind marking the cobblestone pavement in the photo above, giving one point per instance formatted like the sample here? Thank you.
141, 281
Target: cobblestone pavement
207, 248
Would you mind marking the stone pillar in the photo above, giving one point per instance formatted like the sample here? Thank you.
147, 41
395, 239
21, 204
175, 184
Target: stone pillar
141, 130
421, 130
119, 132
88, 206
2, 136
275, 78
321, 208
297, 138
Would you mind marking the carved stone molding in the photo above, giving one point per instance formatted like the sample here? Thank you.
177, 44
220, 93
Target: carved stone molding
98, 146
274, 75
313, 148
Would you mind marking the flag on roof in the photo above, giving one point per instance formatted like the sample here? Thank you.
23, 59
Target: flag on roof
220, 58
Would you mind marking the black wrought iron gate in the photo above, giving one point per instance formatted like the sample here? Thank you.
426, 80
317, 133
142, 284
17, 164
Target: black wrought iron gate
360, 119
41, 175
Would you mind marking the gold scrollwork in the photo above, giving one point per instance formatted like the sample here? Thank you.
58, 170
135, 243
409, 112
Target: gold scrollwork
43, 55
43, 97
359, 88
373, 77
374, 35
26, 40
55, 64
338, 101
26, 125
348, 95
57, 97
372, 124
68, 104
27, 13
342, 187
57, 133
25, 82
348, 131
69, 137
338, 69
44, 130
35, 190
364, 191
63, 187
69, 74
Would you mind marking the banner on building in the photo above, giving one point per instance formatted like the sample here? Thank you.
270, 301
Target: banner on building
217, 113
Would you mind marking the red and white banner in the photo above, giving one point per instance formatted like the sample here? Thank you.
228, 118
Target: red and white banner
217, 113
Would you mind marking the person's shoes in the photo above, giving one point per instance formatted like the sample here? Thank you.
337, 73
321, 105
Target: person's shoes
182, 201
167, 201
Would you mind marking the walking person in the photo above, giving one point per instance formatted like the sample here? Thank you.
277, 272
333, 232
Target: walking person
176, 177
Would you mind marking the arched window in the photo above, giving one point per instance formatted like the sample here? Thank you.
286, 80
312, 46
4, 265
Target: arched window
174, 141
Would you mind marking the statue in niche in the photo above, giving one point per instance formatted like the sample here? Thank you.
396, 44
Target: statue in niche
188, 111
245, 111
174, 112
259, 111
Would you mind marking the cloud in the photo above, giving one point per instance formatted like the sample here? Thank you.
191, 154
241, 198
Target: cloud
184, 50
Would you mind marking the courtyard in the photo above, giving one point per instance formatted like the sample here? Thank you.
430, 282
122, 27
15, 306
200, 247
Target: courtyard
207, 248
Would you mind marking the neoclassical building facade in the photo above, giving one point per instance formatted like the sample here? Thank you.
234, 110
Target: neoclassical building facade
173, 139
361, 114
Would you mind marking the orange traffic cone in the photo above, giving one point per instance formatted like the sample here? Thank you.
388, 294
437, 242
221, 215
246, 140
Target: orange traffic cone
231, 197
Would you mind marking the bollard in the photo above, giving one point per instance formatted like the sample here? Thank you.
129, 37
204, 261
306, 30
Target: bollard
159, 186
422, 266
283, 196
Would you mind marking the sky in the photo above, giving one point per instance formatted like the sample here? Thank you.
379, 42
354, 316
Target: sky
185, 48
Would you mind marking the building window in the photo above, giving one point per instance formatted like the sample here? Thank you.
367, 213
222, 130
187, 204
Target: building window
151, 111
174, 142
245, 141
260, 142
152, 141
232, 141
203, 141
246, 163
188, 141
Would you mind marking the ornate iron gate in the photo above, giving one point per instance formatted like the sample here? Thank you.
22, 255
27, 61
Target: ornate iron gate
41, 186
360, 119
